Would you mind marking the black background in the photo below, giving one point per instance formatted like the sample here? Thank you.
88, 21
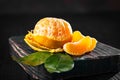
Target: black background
97, 18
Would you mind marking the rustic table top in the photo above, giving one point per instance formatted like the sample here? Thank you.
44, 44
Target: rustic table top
100, 64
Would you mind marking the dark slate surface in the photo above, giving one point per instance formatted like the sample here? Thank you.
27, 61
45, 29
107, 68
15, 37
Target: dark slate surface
103, 61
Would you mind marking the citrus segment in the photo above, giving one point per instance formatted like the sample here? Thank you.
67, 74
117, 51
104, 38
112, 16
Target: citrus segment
78, 48
93, 45
76, 36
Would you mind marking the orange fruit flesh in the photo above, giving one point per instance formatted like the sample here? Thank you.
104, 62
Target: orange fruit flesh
80, 44
49, 34
76, 36
55, 35
78, 48
53, 28
93, 45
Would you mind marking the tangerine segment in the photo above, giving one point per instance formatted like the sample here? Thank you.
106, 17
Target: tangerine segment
78, 48
76, 36
53, 28
36, 46
94, 42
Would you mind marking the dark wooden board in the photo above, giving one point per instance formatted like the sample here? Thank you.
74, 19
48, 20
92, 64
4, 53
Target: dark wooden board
102, 60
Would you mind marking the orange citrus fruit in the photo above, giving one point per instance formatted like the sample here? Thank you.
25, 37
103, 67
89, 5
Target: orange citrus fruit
80, 44
78, 48
77, 35
49, 34
93, 45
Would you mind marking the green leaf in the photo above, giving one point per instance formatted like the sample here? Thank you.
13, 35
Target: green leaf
35, 59
59, 63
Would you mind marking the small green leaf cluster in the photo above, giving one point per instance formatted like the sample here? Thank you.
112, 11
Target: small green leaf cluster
53, 62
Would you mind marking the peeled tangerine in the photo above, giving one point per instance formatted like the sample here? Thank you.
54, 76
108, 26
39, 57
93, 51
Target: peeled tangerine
80, 44
49, 34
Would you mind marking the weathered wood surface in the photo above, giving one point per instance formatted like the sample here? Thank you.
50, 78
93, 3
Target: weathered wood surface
103, 59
